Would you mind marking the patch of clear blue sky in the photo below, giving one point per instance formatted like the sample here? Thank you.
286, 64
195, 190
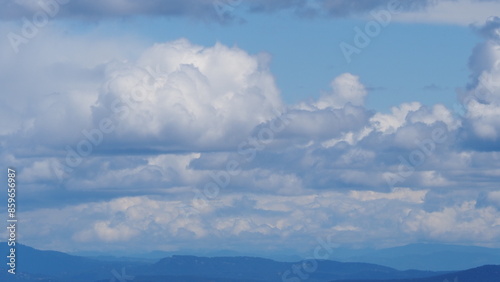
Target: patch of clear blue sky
397, 65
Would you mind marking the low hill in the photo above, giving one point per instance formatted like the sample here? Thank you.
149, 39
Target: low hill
486, 273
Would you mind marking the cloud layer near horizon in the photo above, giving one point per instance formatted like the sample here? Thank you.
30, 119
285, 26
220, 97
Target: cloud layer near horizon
192, 146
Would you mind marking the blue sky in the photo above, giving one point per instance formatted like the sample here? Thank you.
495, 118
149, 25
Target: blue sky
169, 125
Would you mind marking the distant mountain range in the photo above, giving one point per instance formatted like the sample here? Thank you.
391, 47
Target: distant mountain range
486, 273
44, 266
435, 257
37, 265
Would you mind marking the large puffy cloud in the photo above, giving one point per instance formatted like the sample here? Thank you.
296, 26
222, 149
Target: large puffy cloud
333, 114
482, 99
177, 96
180, 96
